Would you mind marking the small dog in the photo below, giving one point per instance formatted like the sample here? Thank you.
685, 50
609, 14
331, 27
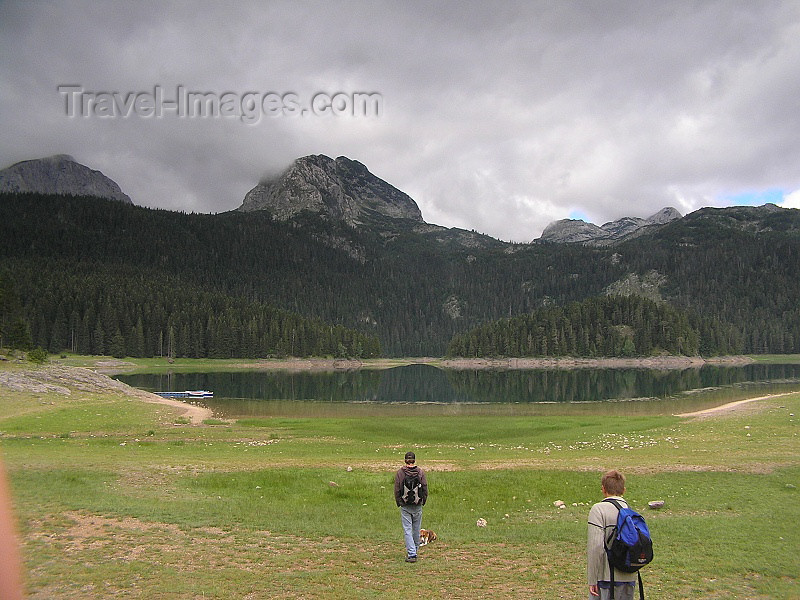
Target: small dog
426, 536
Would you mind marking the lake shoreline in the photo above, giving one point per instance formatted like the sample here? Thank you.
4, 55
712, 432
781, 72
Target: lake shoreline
655, 362
111, 366
567, 362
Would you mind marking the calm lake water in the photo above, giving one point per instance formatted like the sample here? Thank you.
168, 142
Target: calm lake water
424, 389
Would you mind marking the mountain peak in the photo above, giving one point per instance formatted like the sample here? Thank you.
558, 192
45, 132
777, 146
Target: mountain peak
665, 215
341, 189
59, 174
572, 231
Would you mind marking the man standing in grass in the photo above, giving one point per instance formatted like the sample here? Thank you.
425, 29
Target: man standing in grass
410, 494
602, 520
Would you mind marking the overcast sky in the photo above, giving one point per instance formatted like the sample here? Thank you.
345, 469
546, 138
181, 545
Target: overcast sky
494, 116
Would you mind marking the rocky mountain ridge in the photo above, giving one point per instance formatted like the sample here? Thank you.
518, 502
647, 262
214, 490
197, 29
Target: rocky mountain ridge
576, 231
59, 174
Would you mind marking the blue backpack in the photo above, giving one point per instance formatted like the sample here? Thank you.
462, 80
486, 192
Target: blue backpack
631, 546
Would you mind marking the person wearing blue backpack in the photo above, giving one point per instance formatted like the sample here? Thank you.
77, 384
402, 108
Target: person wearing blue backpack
605, 581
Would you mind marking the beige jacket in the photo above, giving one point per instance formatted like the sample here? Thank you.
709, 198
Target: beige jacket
602, 519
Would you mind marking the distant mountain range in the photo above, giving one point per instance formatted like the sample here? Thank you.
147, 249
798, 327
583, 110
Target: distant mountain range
328, 240
338, 189
570, 231
345, 190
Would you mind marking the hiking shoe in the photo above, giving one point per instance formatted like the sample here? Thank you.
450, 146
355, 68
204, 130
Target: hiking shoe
411, 559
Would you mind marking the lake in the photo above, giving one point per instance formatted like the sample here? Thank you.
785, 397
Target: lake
425, 389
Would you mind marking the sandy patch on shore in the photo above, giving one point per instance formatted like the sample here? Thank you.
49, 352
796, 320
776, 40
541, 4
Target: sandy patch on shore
62, 380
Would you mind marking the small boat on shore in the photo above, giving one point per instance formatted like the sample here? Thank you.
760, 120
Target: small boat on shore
186, 394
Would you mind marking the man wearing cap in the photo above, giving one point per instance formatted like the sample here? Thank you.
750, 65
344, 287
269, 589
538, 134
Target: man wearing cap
411, 498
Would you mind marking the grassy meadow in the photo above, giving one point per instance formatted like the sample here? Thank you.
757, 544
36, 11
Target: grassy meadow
116, 497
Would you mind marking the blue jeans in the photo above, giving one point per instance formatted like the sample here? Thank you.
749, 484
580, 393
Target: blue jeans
411, 517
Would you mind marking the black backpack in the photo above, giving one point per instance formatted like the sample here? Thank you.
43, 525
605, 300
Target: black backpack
631, 546
412, 489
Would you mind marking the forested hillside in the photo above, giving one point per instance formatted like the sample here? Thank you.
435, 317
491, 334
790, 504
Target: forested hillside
242, 284
81, 275
606, 326
122, 311
738, 268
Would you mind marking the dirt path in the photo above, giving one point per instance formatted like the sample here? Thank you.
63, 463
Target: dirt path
195, 414
730, 406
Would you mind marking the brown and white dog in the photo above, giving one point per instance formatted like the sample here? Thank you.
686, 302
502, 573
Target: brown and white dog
426, 536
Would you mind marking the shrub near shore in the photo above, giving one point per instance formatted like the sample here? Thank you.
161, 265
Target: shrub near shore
114, 498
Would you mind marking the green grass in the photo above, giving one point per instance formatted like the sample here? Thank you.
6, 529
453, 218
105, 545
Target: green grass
149, 365
777, 359
115, 497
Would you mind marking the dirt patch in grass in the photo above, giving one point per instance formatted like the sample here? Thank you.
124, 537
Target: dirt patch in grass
128, 538
93, 527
